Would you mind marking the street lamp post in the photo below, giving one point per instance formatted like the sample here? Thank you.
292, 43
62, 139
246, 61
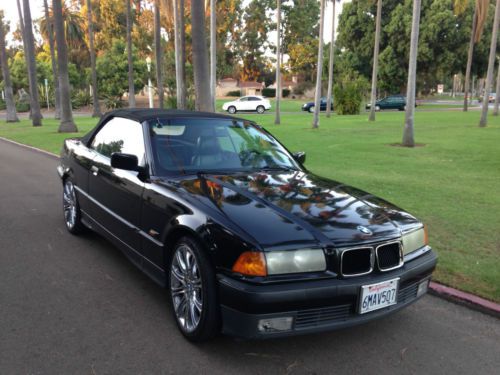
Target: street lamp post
150, 87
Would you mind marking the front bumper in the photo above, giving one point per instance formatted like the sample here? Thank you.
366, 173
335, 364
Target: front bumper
315, 306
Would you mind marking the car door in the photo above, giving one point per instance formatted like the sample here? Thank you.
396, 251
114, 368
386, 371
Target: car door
116, 193
243, 104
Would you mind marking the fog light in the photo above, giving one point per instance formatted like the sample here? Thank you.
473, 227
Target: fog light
275, 324
422, 287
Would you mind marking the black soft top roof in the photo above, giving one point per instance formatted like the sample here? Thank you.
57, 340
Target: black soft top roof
144, 114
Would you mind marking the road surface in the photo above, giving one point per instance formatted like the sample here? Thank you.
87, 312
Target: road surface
75, 305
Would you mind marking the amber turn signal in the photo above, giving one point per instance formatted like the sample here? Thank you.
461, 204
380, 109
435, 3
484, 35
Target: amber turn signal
426, 235
251, 263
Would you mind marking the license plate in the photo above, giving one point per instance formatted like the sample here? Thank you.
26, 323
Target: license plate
379, 295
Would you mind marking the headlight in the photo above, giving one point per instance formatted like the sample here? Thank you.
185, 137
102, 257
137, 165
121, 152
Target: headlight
305, 260
414, 240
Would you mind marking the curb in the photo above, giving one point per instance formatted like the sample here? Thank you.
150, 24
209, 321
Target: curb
29, 147
470, 300
451, 294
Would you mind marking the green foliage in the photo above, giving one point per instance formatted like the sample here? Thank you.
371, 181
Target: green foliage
271, 93
302, 87
442, 49
112, 102
22, 107
112, 72
348, 93
235, 93
80, 98
3, 105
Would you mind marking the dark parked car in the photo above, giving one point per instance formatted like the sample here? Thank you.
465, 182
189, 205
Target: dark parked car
390, 102
309, 107
245, 239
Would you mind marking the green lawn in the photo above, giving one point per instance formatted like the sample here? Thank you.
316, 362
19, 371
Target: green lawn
452, 183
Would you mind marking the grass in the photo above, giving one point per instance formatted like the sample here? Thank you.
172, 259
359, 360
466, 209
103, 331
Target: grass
452, 183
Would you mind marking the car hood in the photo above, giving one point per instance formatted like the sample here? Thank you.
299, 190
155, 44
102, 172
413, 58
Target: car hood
283, 208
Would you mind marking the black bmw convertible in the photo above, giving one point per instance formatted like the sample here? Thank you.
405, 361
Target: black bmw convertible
245, 239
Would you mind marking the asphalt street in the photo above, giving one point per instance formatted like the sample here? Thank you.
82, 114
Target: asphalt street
75, 305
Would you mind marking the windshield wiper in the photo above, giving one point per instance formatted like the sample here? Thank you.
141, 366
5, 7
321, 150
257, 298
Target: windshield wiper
279, 168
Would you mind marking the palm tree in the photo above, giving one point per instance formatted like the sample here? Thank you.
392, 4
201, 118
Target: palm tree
131, 88
96, 111
277, 119
36, 115
319, 68
158, 53
204, 100
478, 21
491, 65
50, 32
495, 107
9, 95
373, 98
408, 139
180, 68
23, 34
330, 64
213, 48
67, 124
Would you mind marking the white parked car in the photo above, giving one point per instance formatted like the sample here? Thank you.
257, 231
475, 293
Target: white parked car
248, 103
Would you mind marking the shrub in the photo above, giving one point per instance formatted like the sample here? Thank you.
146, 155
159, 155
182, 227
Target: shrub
80, 98
271, 93
235, 93
3, 105
112, 102
302, 87
22, 107
349, 92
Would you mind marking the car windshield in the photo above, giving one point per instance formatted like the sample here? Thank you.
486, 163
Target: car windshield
193, 145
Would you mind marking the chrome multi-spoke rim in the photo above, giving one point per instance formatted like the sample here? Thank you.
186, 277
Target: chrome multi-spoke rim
186, 288
69, 204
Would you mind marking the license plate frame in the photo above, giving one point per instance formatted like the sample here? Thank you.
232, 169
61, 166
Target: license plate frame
383, 294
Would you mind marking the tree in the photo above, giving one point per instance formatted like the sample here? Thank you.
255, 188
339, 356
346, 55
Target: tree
67, 124
158, 54
131, 89
203, 98
213, 48
9, 95
36, 115
495, 107
491, 63
408, 139
96, 111
376, 46
319, 68
330, 64
277, 119
50, 35
179, 45
478, 20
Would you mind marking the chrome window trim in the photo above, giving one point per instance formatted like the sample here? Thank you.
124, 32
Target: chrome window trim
372, 260
401, 257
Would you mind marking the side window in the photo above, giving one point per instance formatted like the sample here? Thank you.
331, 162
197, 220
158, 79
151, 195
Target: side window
120, 135
244, 99
253, 99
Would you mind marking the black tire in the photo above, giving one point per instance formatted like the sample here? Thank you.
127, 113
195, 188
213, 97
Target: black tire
71, 209
188, 292
232, 110
261, 109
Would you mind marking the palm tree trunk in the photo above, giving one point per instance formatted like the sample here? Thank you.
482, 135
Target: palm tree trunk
9, 95
180, 86
470, 54
491, 65
159, 54
50, 31
96, 112
67, 124
277, 119
319, 69
203, 98
131, 88
213, 49
36, 115
408, 139
23, 34
330, 64
497, 91
375, 61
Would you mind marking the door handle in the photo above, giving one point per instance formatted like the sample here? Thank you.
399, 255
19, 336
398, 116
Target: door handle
94, 170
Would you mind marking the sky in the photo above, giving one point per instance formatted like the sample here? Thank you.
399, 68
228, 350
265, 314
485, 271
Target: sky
10, 9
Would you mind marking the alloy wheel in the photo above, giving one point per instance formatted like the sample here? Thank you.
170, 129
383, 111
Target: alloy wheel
69, 204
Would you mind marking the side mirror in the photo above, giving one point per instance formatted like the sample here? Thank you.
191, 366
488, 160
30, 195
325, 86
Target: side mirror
124, 161
300, 156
